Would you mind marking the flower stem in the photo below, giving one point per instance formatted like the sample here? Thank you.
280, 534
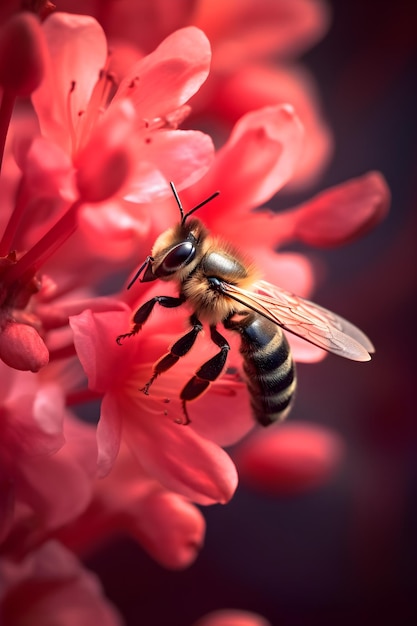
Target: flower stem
27, 266
6, 242
6, 110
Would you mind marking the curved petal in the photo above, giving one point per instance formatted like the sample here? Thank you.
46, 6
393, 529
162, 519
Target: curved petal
177, 456
293, 458
169, 527
77, 52
179, 156
344, 212
109, 430
254, 86
257, 160
241, 31
164, 80
95, 341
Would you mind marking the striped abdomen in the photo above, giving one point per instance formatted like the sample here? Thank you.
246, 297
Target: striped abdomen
269, 367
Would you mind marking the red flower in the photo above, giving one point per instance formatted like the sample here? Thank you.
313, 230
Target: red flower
42, 447
50, 586
181, 459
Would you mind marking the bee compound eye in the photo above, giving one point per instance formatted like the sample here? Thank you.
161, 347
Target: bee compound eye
179, 256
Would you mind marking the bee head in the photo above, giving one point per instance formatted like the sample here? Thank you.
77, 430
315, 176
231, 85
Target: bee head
178, 250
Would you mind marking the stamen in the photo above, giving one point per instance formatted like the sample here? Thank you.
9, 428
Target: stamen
70, 117
100, 98
82, 122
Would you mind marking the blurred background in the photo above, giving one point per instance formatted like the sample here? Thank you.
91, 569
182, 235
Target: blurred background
345, 552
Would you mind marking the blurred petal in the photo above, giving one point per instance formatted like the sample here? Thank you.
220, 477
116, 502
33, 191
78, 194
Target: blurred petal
256, 86
232, 617
169, 528
22, 54
289, 458
258, 159
241, 31
344, 212
50, 586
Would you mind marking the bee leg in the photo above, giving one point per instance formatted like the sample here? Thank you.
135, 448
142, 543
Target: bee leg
146, 309
176, 351
207, 373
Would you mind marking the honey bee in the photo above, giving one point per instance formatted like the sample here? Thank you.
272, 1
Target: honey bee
221, 286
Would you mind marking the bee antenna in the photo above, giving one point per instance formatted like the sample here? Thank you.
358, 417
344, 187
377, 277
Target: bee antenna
138, 273
185, 215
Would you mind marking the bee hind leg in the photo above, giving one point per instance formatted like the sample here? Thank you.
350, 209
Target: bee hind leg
176, 351
206, 374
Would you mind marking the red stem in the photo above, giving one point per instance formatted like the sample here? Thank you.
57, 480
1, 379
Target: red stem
6, 110
27, 266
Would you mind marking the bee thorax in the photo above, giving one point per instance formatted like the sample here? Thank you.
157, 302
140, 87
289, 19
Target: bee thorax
209, 304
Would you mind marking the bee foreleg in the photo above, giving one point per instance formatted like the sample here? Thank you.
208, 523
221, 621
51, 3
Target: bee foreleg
207, 373
176, 351
146, 309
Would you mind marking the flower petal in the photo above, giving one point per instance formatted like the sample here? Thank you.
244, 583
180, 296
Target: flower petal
164, 80
169, 527
178, 457
77, 52
259, 158
344, 212
179, 156
95, 341
289, 458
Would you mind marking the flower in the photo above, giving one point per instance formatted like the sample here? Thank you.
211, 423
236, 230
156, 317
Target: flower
86, 110
42, 447
179, 458
258, 159
254, 49
128, 501
85, 154
51, 586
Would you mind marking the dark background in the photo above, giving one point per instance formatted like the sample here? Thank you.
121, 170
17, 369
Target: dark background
347, 552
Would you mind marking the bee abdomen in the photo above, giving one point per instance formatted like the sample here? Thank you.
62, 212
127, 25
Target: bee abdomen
269, 367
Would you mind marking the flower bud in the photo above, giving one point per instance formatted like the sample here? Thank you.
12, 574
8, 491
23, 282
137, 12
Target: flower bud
22, 348
22, 54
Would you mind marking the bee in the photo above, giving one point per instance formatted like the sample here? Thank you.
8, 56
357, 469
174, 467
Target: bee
222, 287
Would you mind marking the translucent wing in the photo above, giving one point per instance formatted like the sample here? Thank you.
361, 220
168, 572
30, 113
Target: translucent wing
304, 318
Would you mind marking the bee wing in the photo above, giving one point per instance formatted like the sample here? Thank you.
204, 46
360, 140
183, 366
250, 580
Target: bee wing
304, 319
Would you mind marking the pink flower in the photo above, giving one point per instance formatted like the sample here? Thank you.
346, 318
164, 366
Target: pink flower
50, 586
128, 501
86, 111
185, 460
254, 46
85, 155
263, 149
42, 448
